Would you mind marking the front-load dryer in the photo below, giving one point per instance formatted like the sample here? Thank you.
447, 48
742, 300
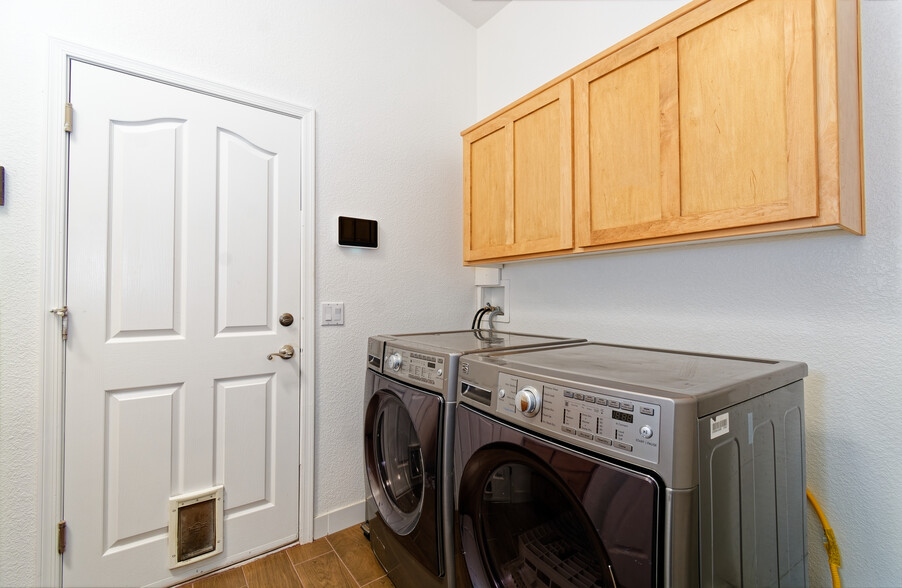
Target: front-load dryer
608, 465
410, 404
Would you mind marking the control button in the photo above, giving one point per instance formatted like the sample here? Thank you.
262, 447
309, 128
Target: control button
580, 396
647, 410
585, 435
623, 446
501, 393
646, 432
590, 399
627, 406
603, 440
569, 430
394, 361
601, 402
568, 394
614, 403
439, 372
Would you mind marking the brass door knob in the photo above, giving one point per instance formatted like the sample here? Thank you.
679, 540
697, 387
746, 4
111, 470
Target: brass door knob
285, 352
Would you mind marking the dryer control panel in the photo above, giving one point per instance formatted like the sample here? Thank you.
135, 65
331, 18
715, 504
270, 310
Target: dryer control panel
597, 420
427, 370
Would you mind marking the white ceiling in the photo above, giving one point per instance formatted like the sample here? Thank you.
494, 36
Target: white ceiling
475, 12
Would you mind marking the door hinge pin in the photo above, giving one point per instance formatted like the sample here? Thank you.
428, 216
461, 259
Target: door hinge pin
61, 537
63, 313
67, 121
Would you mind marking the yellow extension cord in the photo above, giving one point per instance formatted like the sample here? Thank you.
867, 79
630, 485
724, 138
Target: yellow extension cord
830, 543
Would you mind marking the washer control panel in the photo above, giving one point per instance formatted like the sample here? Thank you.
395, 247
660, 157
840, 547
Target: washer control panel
591, 419
426, 370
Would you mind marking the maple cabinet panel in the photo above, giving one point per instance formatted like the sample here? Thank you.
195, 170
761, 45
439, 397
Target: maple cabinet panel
625, 149
518, 194
747, 111
488, 195
706, 123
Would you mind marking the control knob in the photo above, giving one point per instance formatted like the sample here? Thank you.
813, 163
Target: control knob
394, 361
529, 401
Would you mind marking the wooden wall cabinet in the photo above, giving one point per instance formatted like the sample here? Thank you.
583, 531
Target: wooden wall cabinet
725, 118
518, 180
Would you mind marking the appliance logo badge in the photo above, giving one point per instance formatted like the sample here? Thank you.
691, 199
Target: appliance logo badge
465, 367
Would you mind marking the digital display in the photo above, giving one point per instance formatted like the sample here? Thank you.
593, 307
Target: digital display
358, 232
431, 364
622, 416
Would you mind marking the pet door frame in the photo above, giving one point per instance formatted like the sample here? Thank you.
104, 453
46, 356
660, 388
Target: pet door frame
176, 504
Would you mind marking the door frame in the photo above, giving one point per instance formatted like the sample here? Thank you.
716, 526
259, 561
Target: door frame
62, 54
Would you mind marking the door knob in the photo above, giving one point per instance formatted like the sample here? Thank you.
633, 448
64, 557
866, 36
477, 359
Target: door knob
285, 352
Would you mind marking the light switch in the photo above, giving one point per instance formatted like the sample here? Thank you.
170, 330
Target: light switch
333, 313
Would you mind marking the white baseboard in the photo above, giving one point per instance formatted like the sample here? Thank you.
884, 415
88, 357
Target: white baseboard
339, 519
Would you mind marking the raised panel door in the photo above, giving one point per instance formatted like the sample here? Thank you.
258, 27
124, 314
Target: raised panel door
183, 248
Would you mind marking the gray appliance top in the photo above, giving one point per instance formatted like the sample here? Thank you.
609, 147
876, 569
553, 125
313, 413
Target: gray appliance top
429, 360
475, 341
714, 382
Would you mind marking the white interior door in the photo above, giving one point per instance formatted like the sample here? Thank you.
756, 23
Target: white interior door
183, 252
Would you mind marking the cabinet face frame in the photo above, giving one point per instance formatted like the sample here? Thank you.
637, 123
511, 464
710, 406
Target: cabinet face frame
684, 190
508, 205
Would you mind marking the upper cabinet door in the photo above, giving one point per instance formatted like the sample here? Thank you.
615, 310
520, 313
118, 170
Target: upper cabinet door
706, 123
518, 188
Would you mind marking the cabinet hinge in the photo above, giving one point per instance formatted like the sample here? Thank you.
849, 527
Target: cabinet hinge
63, 313
67, 120
61, 537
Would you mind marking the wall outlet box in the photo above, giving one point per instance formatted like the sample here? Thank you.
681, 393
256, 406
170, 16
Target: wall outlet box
498, 295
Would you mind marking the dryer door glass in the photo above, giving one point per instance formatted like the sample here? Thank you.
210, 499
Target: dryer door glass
534, 533
538, 514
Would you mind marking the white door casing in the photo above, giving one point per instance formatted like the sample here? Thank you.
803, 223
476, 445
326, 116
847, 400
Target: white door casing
184, 248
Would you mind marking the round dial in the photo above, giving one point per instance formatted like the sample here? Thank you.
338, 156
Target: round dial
394, 361
529, 401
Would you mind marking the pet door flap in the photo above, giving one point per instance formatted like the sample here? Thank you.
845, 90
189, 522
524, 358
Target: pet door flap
195, 526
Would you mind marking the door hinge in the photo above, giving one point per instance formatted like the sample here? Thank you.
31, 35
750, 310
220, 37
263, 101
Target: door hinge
67, 120
63, 313
61, 537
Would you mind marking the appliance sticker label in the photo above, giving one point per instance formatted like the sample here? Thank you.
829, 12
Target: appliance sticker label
720, 425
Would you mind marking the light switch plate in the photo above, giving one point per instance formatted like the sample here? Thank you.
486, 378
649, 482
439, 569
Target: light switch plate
332, 313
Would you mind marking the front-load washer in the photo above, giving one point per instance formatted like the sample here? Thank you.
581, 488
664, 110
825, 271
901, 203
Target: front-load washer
410, 404
607, 465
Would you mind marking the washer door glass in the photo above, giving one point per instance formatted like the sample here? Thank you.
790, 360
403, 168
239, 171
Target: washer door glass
397, 462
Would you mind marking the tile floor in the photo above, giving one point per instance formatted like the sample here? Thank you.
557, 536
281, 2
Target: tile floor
342, 559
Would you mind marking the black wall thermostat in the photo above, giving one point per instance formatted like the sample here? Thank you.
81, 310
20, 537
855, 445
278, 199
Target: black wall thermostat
358, 232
